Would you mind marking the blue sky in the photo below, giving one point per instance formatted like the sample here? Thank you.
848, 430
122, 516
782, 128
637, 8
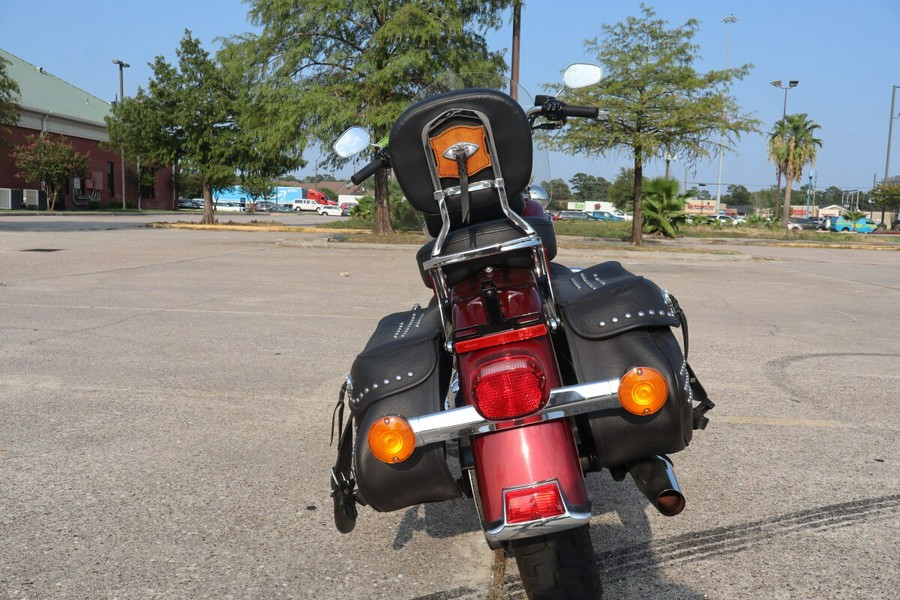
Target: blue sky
844, 54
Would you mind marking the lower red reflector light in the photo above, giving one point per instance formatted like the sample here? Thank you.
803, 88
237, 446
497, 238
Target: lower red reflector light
533, 503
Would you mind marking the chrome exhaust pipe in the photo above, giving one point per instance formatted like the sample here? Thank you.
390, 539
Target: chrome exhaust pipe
655, 477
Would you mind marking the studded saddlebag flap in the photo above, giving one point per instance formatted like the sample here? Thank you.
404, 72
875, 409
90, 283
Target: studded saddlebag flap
402, 371
614, 321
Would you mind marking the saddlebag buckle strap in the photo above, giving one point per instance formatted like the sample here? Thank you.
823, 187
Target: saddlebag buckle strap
342, 482
704, 405
342, 492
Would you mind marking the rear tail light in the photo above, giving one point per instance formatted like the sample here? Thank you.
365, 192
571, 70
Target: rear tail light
533, 503
509, 387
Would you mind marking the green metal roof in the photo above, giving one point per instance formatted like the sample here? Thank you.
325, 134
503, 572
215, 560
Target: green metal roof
44, 93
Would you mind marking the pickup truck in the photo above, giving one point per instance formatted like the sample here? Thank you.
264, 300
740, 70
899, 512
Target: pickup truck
603, 215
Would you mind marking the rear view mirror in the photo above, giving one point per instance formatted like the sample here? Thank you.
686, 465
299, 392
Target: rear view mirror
539, 194
581, 75
352, 142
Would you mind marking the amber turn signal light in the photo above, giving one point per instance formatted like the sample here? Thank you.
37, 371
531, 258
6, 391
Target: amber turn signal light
391, 439
643, 391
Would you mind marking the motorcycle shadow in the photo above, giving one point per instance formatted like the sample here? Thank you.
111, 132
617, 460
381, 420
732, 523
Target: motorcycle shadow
630, 563
437, 520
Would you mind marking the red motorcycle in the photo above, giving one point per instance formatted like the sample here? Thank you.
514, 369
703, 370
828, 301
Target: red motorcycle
528, 373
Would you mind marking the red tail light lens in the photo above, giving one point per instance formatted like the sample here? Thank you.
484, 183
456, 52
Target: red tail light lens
510, 387
533, 503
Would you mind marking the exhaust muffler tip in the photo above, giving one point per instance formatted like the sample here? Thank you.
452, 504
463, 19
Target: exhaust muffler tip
655, 478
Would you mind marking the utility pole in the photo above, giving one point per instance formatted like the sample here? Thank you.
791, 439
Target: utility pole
122, 67
809, 193
887, 161
729, 21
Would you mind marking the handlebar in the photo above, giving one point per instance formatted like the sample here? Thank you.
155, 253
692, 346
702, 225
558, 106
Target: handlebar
590, 112
556, 111
382, 160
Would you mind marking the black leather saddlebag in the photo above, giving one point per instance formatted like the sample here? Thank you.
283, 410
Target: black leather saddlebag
402, 371
614, 321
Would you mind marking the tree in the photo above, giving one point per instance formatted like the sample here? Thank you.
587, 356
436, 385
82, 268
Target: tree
367, 61
657, 101
9, 104
314, 179
764, 201
832, 195
738, 195
792, 146
212, 118
588, 187
257, 187
50, 161
887, 197
663, 205
853, 216
187, 183
621, 192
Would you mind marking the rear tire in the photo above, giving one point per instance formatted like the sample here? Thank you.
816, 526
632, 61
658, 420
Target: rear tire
559, 566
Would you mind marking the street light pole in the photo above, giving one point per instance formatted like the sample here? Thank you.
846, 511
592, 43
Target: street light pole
887, 161
122, 67
729, 21
791, 84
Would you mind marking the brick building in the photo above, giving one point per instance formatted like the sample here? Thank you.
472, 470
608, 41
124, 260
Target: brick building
60, 109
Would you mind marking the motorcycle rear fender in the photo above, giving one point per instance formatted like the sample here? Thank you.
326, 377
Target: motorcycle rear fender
529, 451
514, 458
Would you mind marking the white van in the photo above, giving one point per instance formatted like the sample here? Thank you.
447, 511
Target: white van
305, 204
228, 206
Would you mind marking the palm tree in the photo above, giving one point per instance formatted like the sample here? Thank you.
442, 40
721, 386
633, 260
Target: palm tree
792, 146
662, 207
853, 216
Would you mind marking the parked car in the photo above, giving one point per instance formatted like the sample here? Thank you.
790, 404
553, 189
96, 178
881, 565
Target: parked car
862, 225
602, 215
190, 203
330, 210
575, 215
802, 224
725, 219
264, 206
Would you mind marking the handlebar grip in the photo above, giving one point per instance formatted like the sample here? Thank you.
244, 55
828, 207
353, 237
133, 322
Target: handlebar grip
581, 111
367, 171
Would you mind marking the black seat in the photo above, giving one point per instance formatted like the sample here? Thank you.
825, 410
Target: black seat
512, 138
485, 234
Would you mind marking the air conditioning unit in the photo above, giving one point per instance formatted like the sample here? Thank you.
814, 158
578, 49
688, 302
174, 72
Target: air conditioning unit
31, 199
5, 199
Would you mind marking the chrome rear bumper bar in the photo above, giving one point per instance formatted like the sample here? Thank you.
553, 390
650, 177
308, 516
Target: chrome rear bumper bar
563, 402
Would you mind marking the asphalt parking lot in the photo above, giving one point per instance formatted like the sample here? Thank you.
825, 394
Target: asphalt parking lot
165, 411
